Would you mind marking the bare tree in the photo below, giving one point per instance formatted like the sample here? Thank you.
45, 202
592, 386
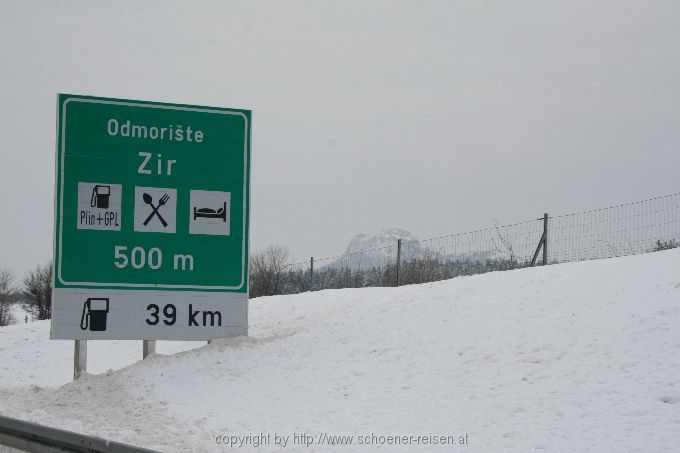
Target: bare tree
6, 281
505, 247
38, 290
423, 266
267, 271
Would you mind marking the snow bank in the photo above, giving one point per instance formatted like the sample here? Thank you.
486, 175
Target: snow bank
20, 313
573, 357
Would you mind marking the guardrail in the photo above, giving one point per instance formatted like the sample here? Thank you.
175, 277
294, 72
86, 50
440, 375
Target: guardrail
33, 437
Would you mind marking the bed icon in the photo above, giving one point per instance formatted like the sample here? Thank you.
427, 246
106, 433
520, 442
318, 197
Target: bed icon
209, 212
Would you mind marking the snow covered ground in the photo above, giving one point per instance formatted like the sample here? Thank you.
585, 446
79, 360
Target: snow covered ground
20, 313
573, 357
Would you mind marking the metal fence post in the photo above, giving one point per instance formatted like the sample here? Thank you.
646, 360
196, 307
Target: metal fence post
545, 238
398, 259
311, 274
543, 242
79, 358
148, 348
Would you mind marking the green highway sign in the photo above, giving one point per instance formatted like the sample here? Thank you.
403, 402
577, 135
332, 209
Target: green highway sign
151, 220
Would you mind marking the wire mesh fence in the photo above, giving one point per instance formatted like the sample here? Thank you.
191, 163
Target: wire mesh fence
625, 229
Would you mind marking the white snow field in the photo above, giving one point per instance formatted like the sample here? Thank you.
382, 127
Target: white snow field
580, 357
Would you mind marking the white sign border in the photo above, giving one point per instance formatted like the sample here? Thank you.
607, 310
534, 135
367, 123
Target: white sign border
150, 105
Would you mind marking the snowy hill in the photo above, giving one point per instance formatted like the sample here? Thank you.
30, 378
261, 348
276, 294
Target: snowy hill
574, 357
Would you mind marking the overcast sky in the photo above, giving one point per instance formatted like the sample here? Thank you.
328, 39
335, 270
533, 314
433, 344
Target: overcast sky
435, 117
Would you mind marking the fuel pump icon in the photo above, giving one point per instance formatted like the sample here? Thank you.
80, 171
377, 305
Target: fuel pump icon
100, 196
95, 311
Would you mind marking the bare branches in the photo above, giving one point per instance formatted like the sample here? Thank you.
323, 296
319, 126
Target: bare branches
504, 244
38, 290
6, 289
267, 271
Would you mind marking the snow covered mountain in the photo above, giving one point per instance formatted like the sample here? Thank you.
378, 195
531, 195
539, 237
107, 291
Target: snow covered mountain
365, 251
384, 238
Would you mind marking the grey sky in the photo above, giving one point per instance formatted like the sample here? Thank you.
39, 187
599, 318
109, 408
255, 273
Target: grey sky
435, 117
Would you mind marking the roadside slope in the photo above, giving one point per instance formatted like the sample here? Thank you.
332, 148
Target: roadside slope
573, 357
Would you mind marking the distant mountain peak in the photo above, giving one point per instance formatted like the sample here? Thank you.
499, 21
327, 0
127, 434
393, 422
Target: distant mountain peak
384, 238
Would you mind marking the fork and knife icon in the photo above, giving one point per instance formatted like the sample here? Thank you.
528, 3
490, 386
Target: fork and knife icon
148, 199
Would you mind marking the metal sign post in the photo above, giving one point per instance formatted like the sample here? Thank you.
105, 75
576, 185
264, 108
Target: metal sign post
79, 358
151, 237
148, 348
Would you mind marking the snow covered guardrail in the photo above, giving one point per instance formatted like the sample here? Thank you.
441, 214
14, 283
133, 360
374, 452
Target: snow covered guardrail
32, 437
